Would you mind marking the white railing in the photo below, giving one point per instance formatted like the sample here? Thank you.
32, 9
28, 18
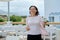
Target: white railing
17, 29
13, 22
25, 22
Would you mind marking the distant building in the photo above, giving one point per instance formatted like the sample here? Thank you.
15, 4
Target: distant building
54, 17
52, 10
4, 17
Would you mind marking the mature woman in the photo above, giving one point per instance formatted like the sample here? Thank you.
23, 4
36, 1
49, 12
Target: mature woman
34, 25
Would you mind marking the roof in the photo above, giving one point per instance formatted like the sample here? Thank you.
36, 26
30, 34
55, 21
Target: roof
54, 13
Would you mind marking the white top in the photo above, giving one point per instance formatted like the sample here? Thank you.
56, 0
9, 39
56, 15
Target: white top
34, 24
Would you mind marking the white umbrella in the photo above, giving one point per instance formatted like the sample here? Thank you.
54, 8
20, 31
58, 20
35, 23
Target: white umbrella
5, 0
8, 7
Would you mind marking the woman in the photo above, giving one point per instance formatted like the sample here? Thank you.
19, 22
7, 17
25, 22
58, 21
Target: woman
34, 25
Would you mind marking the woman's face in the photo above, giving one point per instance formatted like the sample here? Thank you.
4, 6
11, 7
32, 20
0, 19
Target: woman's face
33, 11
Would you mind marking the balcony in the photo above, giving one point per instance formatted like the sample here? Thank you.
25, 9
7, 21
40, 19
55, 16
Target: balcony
13, 27
19, 30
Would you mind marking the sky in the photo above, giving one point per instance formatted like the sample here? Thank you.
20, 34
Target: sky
21, 7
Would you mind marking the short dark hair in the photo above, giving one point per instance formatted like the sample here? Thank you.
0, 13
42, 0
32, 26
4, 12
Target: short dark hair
37, 13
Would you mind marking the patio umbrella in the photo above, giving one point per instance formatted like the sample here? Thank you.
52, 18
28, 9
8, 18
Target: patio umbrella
5, 0
8, 7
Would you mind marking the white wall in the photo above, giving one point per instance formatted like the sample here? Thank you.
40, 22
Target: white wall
56, 18
51, 6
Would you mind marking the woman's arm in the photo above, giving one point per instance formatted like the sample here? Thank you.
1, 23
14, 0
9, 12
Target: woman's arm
27, 26
42, 28
42, 23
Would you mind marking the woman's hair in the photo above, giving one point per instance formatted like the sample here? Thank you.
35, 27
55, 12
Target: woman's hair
37, 13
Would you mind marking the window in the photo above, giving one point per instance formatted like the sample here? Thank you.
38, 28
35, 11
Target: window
51, 19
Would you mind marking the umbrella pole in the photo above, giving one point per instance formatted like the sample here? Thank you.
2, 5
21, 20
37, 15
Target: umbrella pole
8, 11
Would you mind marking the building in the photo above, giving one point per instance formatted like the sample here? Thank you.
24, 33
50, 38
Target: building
52, 10
4, 17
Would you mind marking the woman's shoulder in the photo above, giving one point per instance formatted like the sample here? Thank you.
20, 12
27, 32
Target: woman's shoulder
39, 16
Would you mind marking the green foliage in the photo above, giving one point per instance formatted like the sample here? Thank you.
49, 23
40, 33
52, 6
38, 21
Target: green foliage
2, 20
14, 18
23, 24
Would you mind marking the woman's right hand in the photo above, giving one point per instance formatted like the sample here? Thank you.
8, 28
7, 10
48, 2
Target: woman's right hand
27, 28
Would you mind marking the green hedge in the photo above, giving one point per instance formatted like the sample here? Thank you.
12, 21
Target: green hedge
14, 18
2, 20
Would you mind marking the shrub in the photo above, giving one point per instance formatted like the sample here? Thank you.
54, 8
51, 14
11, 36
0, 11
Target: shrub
1, 20
14, 18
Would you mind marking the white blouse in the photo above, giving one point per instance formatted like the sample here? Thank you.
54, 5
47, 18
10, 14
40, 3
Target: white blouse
34, 24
